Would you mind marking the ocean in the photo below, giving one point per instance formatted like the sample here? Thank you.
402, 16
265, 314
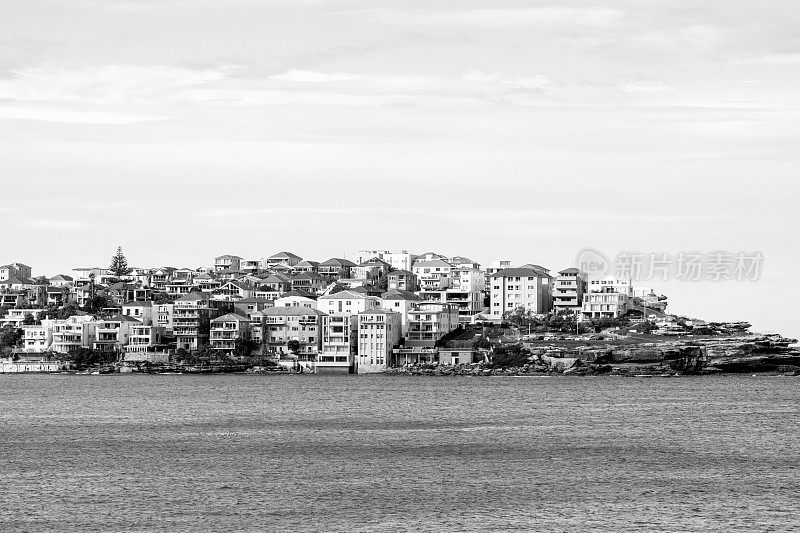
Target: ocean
398, 453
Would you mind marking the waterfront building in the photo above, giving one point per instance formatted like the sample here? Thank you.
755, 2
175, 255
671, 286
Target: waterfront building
606, 303
379, 331
74, 332
274, 327
226, 330
524, 287
113, 334
429, 322
190, 321
568, 289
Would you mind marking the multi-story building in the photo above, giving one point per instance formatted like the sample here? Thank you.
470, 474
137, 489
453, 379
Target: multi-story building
226, 330
336, 268
145, 338
162, 316
16, 317
61, 280
233, 290
297, 299
113, 334
568, 288
141, 311
306, 266
604, 283
429, 322
248, 306
371, 269
379, 331
347, 303
492, 269
38, 337
401, 260
14, 269
433, 274
227, 262
283, 258
401, 302
190, 320
607, 303
403, 280
274, 327
523, 287
72, 333
308, 282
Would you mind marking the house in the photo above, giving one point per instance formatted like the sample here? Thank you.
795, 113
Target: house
274, 327
232, 290
141, 311
371, 269
403, 280
568, 289
56, 296
248, 306
226, 330
306, 266
206, 282
347, 303
363, 255
401, 302
15, 317
72, 333
283, 258
429, 322
38, 337
275, 283
11, 270
120, 292
308, 282
336, 268
378, 333
144, 339
250, 266
524, 287
61, 280
112, 334
160, 277
227, 262
297, 298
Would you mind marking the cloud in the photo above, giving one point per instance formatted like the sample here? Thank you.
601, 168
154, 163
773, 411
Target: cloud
305, 75
646, 87
489, 18
74, 116
57, 224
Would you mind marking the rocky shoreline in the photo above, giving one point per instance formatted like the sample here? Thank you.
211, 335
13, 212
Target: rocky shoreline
662, 358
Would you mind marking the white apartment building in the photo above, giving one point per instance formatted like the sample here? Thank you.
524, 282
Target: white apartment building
378, 333
72, 333
402, 302
605, 304
38, 337
429, 322
514, 288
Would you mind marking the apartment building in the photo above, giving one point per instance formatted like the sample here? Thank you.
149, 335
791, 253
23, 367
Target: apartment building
379, 331
141, 311
274, 327
226, 329
429, 322
403, 280
11, 270
190, 320
607, 303
401, 302
145, 338
38, 337
432, 274
162, 316
568, 289
524, 287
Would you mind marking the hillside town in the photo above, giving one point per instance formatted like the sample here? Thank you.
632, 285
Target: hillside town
381, 310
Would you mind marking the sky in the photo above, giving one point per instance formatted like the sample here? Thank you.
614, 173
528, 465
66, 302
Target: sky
529, 131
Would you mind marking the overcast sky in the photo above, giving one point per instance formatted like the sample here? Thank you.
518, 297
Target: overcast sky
183, 129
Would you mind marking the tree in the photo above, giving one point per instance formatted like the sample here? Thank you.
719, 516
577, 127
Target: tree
96, 304
522, 318
9, 338
243, 347
4, 310
28, 320
119, 264
293, 346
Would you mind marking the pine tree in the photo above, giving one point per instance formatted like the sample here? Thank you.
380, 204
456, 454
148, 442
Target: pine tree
119, 265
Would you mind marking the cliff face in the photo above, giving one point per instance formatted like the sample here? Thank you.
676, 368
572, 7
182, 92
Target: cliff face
742, 353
